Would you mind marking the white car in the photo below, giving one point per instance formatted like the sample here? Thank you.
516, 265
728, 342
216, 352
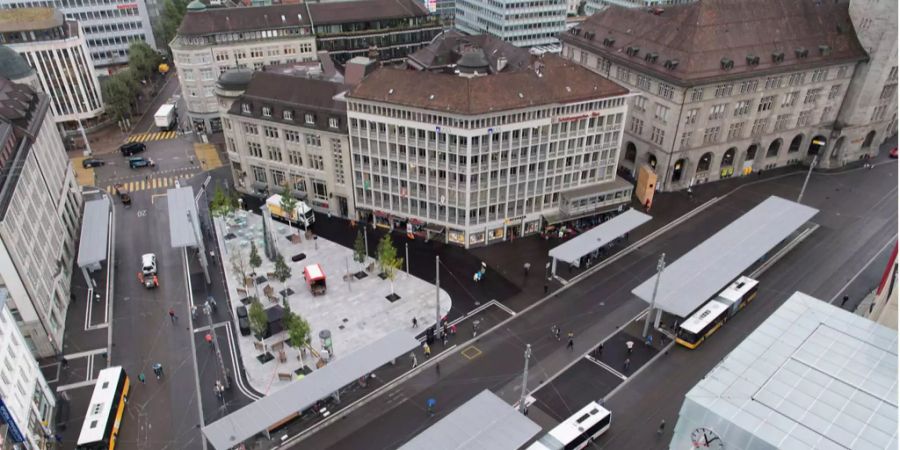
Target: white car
148, 264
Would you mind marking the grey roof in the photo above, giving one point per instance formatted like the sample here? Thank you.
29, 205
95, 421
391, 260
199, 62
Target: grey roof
13, 65
94, 232
300, 95
242, 424
181, 201
484, 422
235, 79
708, 268
812, 376
598, 236
444, 51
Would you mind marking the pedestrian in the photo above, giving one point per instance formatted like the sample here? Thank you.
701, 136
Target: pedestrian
452, 330
415, 362
415, 323
427, 350
209, 339
662, 427
571, 344
600, 350
554, 330
649, 341
647, 205
437, 368
546, 288
172, 315
629, 346
444, 339
474, 328
627, 363
142, 378
844, 300
64, 362
527, 268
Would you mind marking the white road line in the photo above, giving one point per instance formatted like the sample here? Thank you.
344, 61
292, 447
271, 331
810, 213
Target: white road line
606, 366
662, 352
110, 279
72, 356
206, 327
863, 268
503, 307
76, 385
236, 368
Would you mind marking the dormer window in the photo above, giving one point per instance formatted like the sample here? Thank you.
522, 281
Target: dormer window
287, 115
310, 120
267, 111
332, 122
245, 108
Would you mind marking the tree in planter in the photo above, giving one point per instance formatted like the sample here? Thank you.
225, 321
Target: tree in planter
288, 205
299, 332
222, 204
388, 260
282, 273
359, 250
255, 262
259, 320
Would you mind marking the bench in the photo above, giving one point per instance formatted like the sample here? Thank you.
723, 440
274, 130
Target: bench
285, 376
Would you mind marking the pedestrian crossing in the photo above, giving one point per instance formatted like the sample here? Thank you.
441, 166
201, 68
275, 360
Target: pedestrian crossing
146, 137
148, 184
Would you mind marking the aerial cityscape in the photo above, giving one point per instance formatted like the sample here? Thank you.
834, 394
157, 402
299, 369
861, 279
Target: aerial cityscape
449, 224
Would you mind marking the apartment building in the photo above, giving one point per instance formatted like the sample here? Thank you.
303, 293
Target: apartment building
109, 26
706, 111
26, 401
211, 41
476, 155
525, 23
288, 131
56, 49
37, 185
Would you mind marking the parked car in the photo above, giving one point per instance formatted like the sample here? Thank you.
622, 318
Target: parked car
893, 153
132, 148
136, 163
92, 162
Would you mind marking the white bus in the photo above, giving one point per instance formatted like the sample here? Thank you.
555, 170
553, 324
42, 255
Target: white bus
701, 324
577, 431
105, 412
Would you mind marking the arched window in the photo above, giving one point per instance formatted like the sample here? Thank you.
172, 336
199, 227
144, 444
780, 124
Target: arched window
795, 144
751, 152
705, 160
630, 152
774, 147
651, 160
728, 157
869, 138
678, 170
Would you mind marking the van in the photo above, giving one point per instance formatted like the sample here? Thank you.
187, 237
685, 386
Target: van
148, 264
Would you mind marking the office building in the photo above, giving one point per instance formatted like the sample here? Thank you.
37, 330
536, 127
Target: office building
37, 185
55, 48
812, 376
287, 130
705, 111
523, 24
109, 27
211, 41
26, 401
657, 6
487, 150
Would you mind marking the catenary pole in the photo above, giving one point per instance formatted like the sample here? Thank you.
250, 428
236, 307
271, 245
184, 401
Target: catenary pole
660, 266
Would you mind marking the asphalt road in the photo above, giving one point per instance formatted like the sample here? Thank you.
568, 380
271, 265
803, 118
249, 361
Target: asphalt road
857, 218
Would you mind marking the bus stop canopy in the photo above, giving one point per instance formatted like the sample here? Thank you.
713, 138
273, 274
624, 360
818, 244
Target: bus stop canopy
94, 232
181, 203
485, 421
258, 416
708, 268
598, 236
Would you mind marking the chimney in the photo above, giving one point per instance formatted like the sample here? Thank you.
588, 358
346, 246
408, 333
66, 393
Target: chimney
501, 63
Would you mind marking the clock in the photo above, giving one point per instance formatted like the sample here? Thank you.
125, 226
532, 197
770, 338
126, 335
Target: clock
705, 438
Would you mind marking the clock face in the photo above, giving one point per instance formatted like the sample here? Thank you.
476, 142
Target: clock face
705, 438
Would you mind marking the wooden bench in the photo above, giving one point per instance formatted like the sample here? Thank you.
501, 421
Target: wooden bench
285, 376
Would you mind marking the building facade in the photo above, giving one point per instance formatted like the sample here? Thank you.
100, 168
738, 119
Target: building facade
211, 41
594, 6
109, 26
523, 24
37, 185
55, 48
289, 132
704, 112
433, 155
26, 401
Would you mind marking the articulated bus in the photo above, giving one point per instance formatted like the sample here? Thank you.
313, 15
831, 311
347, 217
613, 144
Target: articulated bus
104, 415
577, 431
711, 316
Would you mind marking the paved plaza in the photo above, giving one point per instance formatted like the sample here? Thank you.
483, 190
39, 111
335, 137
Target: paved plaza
355, 311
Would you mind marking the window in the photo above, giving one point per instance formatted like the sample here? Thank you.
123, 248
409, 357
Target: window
662, 113
686, 139
797, 79
657, 135
819, 75
711, 135
742, 108
790, 99
690, 117
666, 91
782, 122
765, 103
643, 83
749, 86
637, 125
812, 96
320, 190
759, 127
317, 162
270, 132
696, 94
313, 140
878, 113
724, 90
717, 111
888, 91
337, 153
254, 149
291, 136
309, 119
259, 174
774, 82
735, 131
206, 74
274, 153
245, 108
250, 128
640, 103
332, 122
623, 74
826, 113
804, 118
287, 114
295, 158
267, 111
834, 92
842, 72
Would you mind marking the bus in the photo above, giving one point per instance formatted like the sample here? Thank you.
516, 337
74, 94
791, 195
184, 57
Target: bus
711, 316
105, 412
577, 431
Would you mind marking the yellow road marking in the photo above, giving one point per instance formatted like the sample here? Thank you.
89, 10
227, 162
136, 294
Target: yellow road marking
471, 352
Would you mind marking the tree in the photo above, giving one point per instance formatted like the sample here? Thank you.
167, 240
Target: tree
255, 262
222, 203
388, 260
359, 249
119, 93
143, 60
282, 273
288, 205
259, 320
170, 19
298, 331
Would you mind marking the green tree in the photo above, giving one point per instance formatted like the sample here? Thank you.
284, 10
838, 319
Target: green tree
359, 249
255, 262
282, 273
259, 320
388, 260
119, 93
170, 19
298, 331
222, 203
143, 60
288, 205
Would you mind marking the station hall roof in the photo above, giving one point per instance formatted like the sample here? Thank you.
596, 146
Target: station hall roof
704, 271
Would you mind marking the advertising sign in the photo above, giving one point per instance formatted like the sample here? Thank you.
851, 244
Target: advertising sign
13, 432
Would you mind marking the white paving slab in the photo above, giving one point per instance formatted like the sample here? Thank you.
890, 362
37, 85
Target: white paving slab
355, 312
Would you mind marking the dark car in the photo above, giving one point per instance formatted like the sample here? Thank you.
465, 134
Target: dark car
132, 148
136, 163
92, 162
244, 326
241, 311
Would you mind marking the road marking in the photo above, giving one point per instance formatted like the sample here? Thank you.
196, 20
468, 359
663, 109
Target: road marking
154, 196
605, 366
76, 385
72, 356
152, 136
863, 268
206, 327
471, 352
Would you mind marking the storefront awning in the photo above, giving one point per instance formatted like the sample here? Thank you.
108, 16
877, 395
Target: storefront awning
435, 228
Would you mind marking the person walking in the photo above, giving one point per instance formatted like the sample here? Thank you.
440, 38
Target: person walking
172, 315
844, 300
415, 322
427, 350
415, 362
571, 344
142, 378
649, 341
546, 288
662, 427
437, 368
600, 350
627, 363
209, 339
629, 346
527, 267
554, 330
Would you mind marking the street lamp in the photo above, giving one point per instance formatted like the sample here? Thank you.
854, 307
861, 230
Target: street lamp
87, 144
